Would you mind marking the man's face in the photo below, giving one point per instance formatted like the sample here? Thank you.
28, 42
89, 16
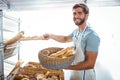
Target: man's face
79, 16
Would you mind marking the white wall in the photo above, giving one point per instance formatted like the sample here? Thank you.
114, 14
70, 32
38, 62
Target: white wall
105, 21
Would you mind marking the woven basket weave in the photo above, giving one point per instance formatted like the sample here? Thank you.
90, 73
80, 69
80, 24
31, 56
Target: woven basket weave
53, 62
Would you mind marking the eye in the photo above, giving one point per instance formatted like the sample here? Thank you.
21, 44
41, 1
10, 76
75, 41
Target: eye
74, 13
79, 13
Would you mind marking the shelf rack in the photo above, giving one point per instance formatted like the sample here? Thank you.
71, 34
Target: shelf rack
9, 26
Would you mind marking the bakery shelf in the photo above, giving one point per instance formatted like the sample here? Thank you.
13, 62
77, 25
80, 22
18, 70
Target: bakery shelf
9, 26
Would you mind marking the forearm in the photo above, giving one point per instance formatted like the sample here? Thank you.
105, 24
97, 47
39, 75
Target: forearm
60, 38
87, 64
81, 66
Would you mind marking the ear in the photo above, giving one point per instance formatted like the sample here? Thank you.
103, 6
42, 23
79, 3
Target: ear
87, 16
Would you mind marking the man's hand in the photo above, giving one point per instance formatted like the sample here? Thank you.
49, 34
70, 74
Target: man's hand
46, 36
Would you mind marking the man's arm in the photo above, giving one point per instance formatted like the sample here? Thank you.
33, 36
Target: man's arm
87, 64
58, 38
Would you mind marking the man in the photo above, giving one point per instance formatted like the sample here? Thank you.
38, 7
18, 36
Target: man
86, 43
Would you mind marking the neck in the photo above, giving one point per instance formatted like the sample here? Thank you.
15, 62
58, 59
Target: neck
82, 27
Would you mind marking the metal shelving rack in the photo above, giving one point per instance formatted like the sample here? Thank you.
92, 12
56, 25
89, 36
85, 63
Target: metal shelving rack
9, 26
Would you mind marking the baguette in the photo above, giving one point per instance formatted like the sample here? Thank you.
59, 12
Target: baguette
68, 53
62, 52
14, 39
59, 53
18, 64
32, 38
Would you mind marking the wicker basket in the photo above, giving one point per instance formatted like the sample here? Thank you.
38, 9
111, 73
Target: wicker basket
53, 62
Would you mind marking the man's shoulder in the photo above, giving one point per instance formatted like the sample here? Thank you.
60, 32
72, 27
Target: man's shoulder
91, 32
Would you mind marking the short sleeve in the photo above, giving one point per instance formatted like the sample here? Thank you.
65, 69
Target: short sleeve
93, 42
73, 33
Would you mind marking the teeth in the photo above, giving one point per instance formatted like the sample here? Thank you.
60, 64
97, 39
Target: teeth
77, 20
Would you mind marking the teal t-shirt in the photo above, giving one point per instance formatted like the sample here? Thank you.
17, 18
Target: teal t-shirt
90, 40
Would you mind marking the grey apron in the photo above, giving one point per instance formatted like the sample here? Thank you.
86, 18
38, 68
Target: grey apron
79, 57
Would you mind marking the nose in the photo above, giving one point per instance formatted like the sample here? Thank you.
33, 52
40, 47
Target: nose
76, 15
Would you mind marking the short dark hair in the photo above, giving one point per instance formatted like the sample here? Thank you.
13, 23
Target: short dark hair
83, 6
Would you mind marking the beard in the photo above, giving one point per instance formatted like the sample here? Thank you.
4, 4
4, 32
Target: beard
79, 22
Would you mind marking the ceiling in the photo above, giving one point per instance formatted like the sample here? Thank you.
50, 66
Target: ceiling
37, 4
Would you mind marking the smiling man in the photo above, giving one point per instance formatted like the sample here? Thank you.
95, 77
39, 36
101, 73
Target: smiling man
86, 44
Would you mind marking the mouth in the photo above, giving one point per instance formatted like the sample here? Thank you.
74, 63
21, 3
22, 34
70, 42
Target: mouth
77, 20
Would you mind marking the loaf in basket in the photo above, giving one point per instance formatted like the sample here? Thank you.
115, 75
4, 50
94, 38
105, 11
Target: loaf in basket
56, 58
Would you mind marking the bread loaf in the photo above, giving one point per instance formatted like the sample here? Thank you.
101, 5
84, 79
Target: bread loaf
69, 51
34, 71
32, 38
14, 39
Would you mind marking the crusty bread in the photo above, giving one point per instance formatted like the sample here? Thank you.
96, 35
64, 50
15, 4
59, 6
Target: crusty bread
34, 71
69, 51
18, 64
32, 38
14, 39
